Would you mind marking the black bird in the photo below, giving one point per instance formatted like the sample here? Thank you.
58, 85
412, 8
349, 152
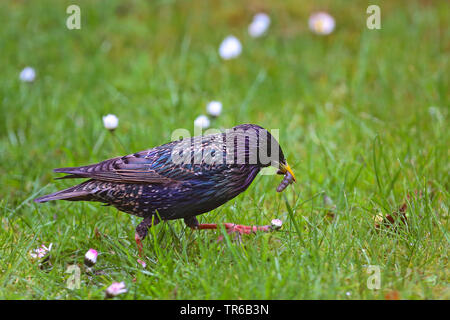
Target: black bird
180, 179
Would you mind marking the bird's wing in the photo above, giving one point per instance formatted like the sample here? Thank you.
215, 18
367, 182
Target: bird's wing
128, 169
157, 165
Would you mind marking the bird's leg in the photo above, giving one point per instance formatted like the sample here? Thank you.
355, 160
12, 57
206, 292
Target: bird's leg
142, 230
193, 223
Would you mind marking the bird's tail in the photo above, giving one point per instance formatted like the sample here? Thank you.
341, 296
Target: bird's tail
75, 193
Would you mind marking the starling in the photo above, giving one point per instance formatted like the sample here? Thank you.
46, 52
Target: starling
180, 179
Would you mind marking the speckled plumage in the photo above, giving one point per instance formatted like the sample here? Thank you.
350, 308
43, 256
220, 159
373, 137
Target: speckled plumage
151, 181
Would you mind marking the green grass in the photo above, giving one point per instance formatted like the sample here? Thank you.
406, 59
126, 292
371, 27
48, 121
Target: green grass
362, 117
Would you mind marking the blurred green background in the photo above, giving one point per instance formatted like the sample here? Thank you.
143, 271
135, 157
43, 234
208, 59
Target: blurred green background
362, 116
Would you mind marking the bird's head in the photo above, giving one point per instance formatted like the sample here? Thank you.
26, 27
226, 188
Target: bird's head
284, 168
261, 146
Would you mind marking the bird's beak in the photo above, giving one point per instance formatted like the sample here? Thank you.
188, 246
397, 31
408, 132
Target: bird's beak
286, 168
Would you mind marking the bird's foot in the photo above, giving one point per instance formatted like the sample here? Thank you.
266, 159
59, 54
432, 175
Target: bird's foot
237, 229
138, 240
240, 228
142, 230
243, 229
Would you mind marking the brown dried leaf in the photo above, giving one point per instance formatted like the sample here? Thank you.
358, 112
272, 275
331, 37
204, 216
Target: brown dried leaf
97, 233
392, 295
390, 219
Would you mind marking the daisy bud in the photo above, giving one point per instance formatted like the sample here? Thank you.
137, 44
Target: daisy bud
90, 258
276, 224
115, 289
110, 122
202, 121
321, 23
230, 48
214, 108
142, 263
27, 74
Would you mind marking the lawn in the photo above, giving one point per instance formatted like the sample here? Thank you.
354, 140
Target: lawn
361, 116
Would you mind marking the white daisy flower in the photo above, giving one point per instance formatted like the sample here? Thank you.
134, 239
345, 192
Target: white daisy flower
27, 74
41, 252
230, 48
435, 113
214, 108
202, 121
110, 121
259, 25
115, 289
90, 258
264, 17
321, 23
